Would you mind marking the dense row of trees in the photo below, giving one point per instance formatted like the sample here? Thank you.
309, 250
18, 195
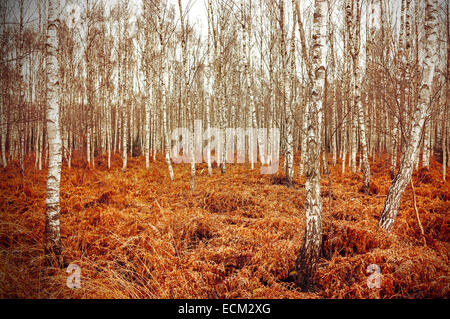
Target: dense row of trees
342, 78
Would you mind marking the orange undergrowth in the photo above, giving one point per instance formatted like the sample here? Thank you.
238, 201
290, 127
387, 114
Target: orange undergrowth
136, 234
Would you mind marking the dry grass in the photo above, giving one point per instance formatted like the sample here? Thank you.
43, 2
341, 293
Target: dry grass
138, 235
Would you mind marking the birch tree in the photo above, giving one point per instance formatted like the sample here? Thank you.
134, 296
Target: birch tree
421, 111
353, 27
185, 98
3, 124
308, 255
447, 99
52, 239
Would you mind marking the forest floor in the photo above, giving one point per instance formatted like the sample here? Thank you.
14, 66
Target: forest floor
136, 234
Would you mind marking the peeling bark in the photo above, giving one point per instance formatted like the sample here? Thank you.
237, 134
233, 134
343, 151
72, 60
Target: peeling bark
308, 256
395, 193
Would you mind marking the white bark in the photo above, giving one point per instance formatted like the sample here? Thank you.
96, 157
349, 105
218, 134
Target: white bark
426, 144
185, 98
164, 79
3, 124
447, 101
124, 135
286, 101
108, 133
364, 158
291, 102
209, 86
3, 133
394, 147
147, 131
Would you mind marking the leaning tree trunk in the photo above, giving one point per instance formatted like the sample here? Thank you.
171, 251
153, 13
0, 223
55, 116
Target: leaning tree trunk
52, 244
403, 177
309, 252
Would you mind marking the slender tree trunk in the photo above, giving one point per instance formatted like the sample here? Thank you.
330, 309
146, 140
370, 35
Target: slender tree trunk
447, 100
88, 145
164, 76
93, 146
3, 123
426, 144
21, 97
364, 158
52, 242
403, 177
185, 98
334, 140
209, 88
291, 102
353, 128
285, 97
124, 129
309, 252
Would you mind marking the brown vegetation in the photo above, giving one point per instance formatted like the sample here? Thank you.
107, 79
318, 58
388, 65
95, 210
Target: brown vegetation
136, 234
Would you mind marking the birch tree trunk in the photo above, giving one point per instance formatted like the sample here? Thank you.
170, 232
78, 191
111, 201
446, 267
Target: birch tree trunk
353, 126
426, 144
364, 158
52, 244
3, 140
309, 252
285, 97
290, 106
221, 85
147, 130
447, 100
3, 120
209, 86
164, 79
185, 99
249, 98
21, 93
395, 193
